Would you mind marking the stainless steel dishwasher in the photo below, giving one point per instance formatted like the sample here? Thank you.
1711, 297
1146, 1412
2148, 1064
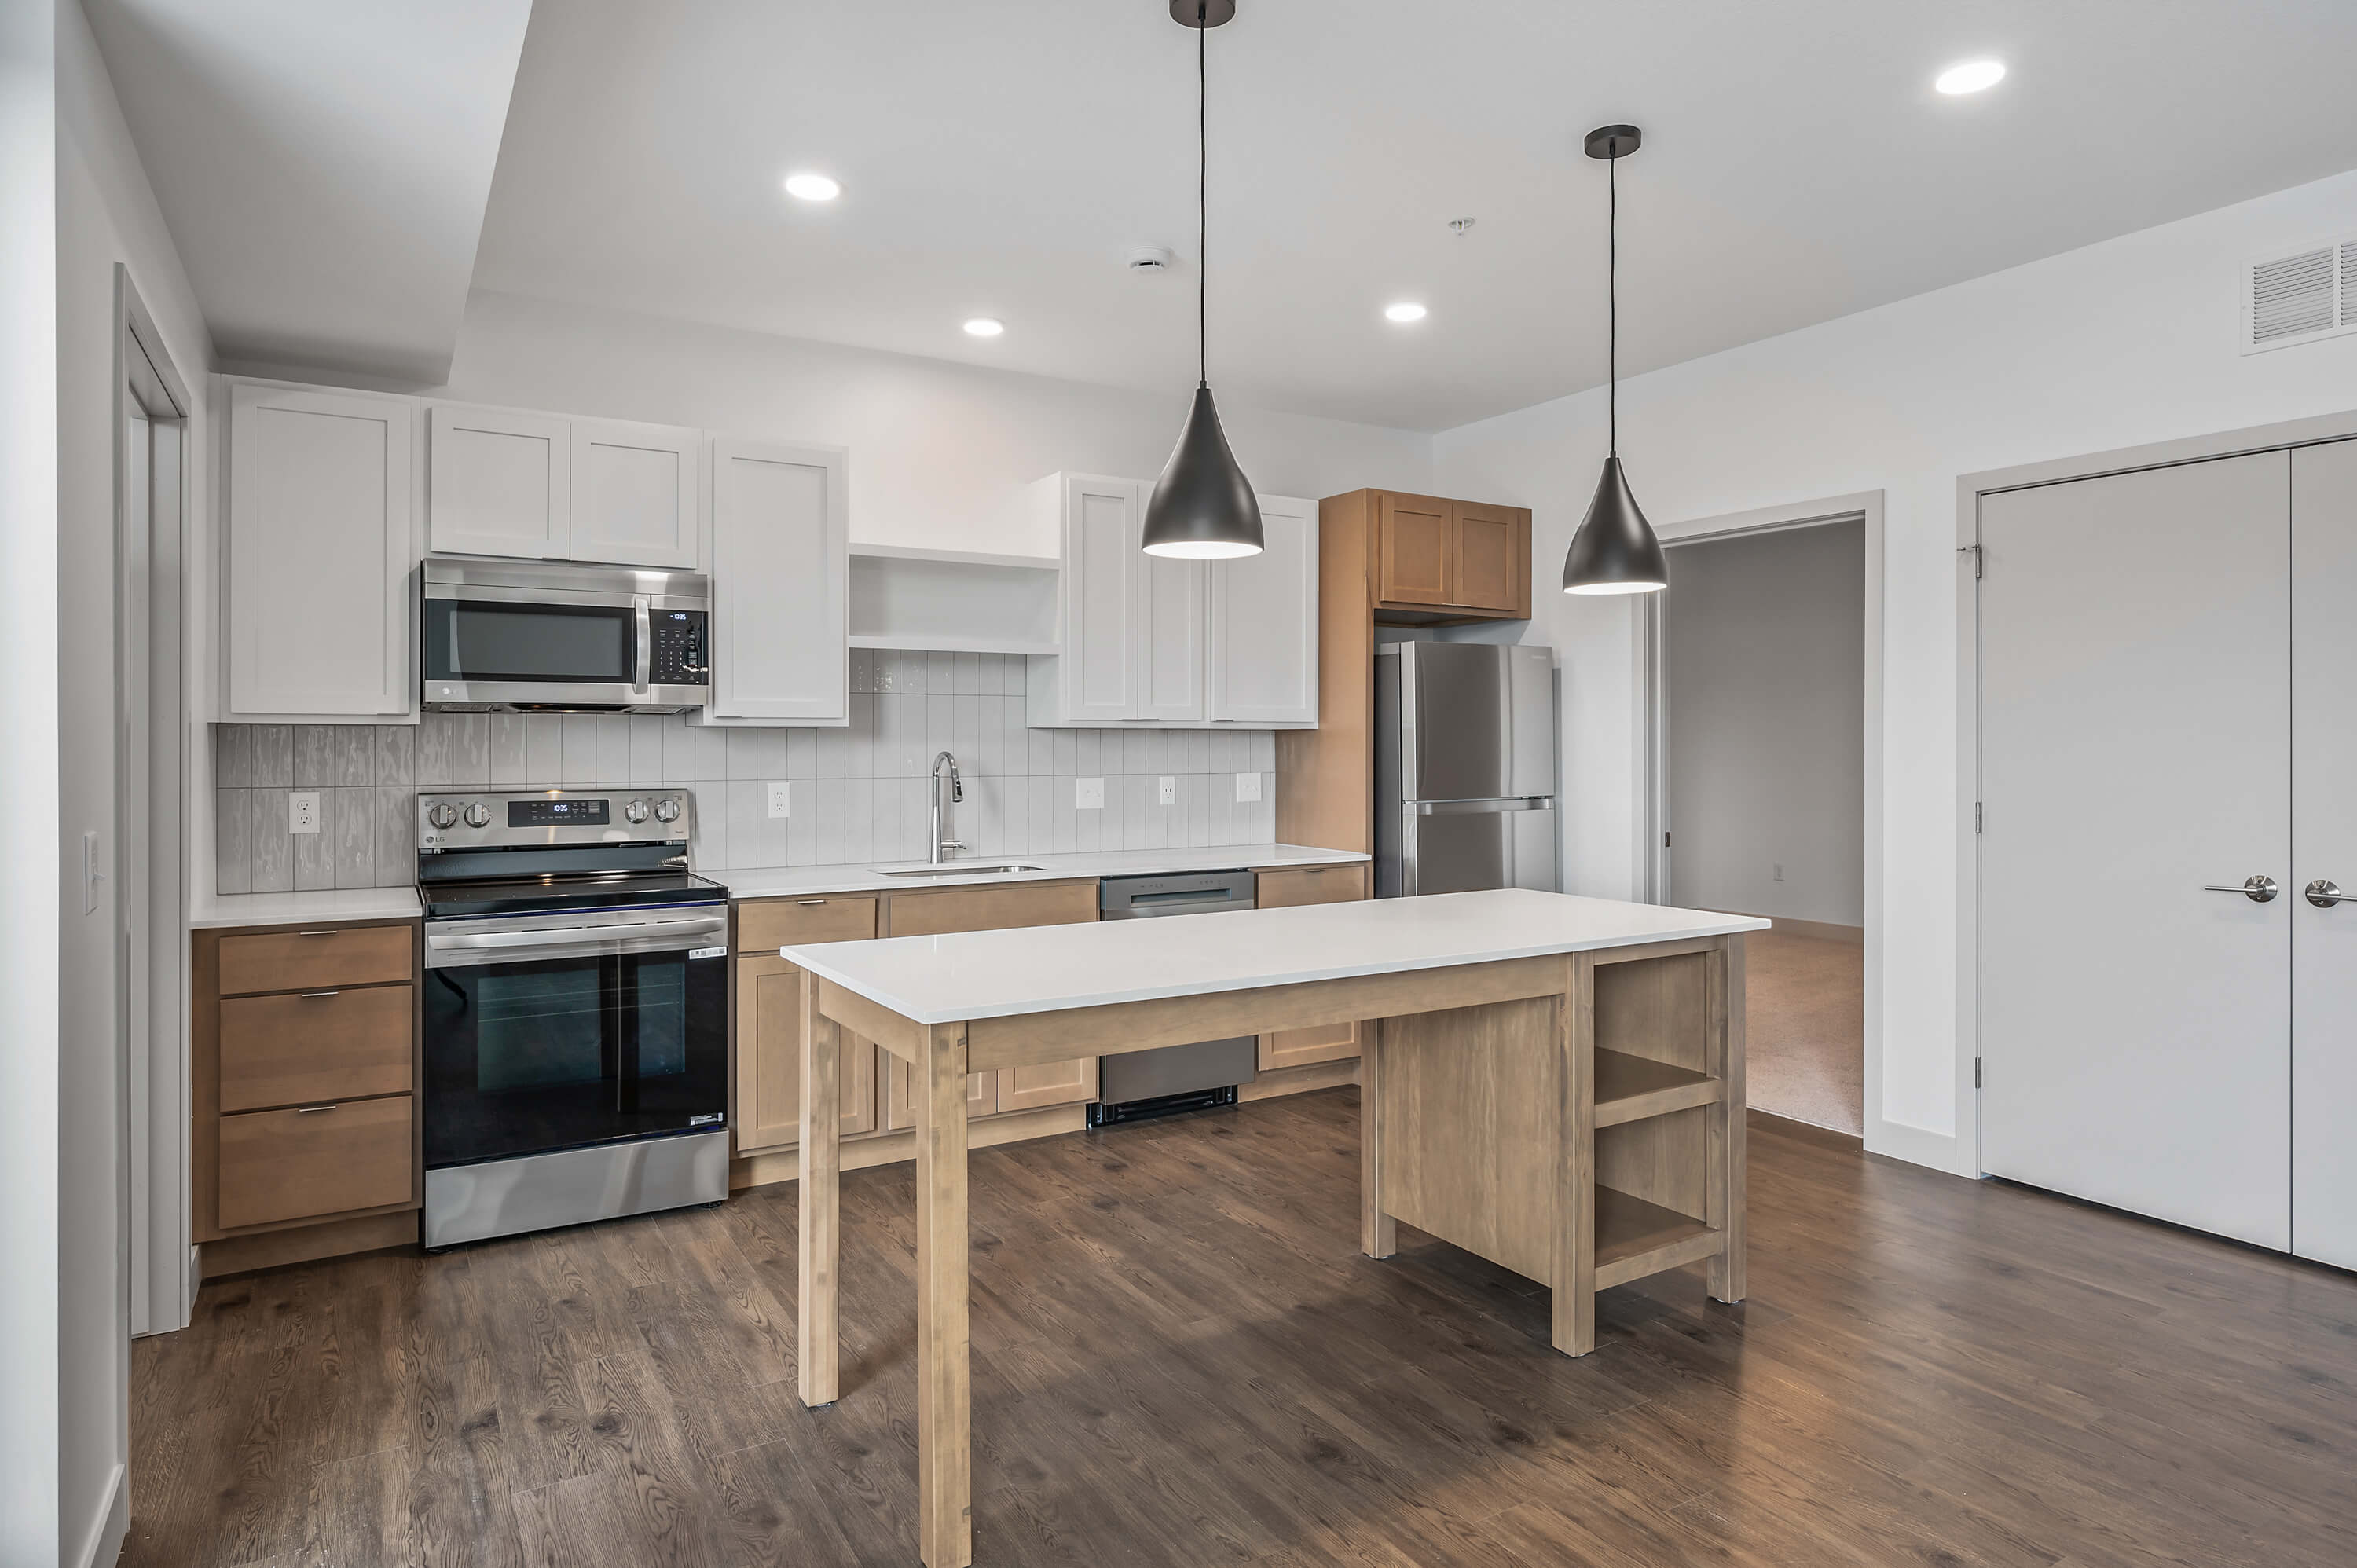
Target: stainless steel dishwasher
1175, 1077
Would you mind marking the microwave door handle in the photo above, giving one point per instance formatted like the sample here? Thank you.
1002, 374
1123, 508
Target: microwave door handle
642, 669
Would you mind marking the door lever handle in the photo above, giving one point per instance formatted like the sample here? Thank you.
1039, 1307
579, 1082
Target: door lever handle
2324, 893
2257, 889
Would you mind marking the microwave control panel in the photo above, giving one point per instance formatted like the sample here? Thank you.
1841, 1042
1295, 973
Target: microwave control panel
682, 653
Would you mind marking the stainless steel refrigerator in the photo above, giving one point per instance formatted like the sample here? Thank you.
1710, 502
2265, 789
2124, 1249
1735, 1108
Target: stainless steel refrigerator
1465, 768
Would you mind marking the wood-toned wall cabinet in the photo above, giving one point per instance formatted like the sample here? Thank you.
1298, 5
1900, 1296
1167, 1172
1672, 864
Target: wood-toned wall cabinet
989, 909
1311, 884
304, 1063
1439, 560
766, 1105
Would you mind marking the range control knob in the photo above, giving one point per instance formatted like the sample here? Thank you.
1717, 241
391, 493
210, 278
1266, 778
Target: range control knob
667, 809
478, 815
443, 814
636, 810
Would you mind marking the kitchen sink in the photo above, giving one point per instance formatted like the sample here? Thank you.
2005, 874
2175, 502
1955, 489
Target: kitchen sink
960, 869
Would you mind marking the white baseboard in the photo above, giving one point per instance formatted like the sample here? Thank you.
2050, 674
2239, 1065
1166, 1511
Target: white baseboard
103, 1544
1916, 1145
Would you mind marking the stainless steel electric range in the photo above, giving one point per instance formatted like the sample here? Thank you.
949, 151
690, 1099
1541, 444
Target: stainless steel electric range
575, 1010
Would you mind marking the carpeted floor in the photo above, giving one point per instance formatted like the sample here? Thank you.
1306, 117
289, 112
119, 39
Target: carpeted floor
1803, 1028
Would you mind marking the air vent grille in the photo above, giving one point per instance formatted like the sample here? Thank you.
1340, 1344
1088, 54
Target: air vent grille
2301, 297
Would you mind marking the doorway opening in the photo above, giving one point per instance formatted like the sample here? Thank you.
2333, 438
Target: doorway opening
1760, 679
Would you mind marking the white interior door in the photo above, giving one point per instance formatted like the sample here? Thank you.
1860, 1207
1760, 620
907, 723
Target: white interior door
2324, 848
2136, 747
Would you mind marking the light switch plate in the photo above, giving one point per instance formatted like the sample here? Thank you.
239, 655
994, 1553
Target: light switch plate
1168, 790
1247, 787
782, 797
1088, 794
303, 811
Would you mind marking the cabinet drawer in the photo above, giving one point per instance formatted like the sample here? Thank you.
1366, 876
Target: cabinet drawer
1311, 884
300, 1164
316, 959
992, 909
301, 1049
771, 924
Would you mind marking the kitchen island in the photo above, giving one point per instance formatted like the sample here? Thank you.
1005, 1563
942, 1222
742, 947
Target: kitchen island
1555, 1083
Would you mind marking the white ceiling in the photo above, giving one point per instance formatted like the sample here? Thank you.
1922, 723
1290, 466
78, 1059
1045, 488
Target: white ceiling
322, 164
322, 168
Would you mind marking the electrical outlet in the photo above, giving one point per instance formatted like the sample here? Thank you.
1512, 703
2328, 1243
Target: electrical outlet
303, 811
1167, 791
1780, 871
782, 797
1247, 787
1088, 794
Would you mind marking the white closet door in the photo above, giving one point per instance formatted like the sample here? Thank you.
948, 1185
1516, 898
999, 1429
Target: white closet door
2136, 746
634, 494
2324, 848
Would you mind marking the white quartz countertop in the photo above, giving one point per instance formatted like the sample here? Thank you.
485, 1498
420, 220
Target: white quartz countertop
801, 881
1043, 969
210, 909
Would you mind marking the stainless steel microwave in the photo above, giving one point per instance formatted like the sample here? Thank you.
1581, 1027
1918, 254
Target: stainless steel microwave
547, 637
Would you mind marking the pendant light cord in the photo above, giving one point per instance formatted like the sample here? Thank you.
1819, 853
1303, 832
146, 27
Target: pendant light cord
1612, 307
1202, 195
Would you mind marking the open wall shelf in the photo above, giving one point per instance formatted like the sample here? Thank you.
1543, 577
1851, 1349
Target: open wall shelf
953, 601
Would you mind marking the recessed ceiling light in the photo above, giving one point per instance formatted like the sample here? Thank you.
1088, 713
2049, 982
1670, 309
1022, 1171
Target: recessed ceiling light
1970, 76
1406, 310
985, 327
813, 186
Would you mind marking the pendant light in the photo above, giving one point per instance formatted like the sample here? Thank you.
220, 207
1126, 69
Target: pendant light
1615, 551
1202, 507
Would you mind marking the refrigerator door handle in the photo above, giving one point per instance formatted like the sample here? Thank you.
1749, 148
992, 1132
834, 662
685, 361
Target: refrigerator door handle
1471, 808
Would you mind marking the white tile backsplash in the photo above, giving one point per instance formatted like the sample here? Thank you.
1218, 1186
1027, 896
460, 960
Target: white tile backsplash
860, 793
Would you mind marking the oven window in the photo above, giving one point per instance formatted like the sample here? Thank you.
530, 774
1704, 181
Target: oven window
559, 1053
469, 640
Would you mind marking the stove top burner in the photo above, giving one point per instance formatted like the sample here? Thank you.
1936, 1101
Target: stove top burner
530, 895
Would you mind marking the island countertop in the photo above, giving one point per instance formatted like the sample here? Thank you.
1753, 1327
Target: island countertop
1043, 969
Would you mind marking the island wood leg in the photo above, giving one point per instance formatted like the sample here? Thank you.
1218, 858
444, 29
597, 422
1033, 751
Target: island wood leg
1727, 1196
944, 1417
821, 1227
1572, 1255
1378, 1231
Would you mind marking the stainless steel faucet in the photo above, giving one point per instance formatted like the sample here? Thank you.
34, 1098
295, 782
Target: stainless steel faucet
946, 795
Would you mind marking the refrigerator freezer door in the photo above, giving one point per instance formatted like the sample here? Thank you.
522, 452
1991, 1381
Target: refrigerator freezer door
1477, 721
1464, 847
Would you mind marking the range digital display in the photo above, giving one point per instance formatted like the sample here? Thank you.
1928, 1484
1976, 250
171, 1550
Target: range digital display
558, 814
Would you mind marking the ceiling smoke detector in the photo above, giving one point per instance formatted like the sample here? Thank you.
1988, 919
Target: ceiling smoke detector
1460, 225
1152, 259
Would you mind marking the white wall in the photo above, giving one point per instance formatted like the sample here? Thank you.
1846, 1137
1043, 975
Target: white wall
939, 452
2132, 340
106, 214
1764, 667
28, 781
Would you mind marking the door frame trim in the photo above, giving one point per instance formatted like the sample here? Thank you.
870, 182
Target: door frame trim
2282, 436
1900, 1138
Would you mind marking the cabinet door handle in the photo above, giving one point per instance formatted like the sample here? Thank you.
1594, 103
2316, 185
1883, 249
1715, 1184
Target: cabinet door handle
314, 995
314, 1110
812, 903
318, 933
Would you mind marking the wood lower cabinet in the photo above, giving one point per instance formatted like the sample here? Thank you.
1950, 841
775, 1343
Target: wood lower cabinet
766, 1103
990, 910
1310, 885
303, 1065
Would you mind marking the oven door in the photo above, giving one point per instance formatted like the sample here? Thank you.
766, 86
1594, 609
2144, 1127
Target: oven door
565, 1031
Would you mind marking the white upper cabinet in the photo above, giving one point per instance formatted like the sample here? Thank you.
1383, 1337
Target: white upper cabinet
499, 482
319, 542
634, 494
1147, 639
1264, 659
781, 584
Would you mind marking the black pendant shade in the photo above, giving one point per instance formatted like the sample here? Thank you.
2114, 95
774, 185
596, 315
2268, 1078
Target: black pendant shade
1615, 551
1202, 507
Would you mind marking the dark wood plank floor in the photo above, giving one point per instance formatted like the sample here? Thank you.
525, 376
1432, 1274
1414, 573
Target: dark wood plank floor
1180, 1358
